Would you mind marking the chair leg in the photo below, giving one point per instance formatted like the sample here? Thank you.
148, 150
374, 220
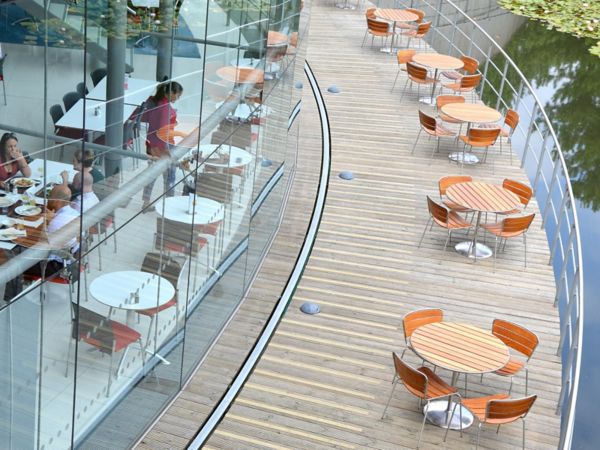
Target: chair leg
452, 417
394, 383
416, 140
422, 427
478, 433
495, 253
523, 446
109, 375
526, 380
404, 90
424, 231
395, 79
525, 247
447, 239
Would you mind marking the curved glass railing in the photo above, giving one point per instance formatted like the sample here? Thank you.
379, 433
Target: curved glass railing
504, 86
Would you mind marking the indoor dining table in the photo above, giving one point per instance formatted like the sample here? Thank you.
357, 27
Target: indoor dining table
394, 16
437, 62
481, 198
470, 113
136, 90
94, 112
459, 348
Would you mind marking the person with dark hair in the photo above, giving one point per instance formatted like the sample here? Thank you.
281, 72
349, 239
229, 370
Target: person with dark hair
83, 195
161, 119
12, 160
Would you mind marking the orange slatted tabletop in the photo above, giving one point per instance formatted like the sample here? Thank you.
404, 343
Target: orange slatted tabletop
437, 62
482, 198
459, 348
241, 75
394, 16
276, 38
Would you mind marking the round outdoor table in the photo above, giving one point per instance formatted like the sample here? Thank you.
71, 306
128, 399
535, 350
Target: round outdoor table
470, 113
459, 348
206, 210
437, 62
481, 197
132, 290
394, 16
241, 75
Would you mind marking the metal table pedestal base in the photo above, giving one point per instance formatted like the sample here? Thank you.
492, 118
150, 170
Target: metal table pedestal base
465, 158
481, 251
438, 413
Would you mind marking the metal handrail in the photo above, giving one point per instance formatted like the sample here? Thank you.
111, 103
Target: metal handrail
556, 188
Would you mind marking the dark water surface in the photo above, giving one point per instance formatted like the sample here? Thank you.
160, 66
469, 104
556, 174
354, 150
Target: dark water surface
567, 79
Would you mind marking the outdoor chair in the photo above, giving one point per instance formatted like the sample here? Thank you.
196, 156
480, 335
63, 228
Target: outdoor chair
430, 125
511, 120
444, 183
403, 56
448, 220
417, 74
377, 28
423, 383
70, 98
471, 65
419, 33
415, 319
410, 26
442, 100
468, 83
495, 410
509, 228
479, 138
521, 190
519, 339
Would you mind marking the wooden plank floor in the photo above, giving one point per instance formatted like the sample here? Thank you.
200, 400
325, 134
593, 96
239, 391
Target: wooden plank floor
324, 379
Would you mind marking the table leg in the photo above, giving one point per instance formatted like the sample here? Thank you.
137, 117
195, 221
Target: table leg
391, 48
130, 318
439, 412
462, 157
474, 249
431, 99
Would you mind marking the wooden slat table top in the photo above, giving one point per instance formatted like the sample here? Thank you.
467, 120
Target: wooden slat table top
485, 197
396, 15
471, 112
276, 38
438, 61
459, 347
243, 75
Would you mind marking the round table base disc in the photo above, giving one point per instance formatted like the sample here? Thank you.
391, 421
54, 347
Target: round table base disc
468, 158
481, 251
344, 6
439, 414
387, 50
427, 100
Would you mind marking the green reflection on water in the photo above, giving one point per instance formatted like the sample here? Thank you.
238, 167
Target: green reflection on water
562, 63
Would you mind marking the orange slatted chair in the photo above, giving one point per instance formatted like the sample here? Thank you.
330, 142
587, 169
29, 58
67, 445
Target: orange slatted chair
417, 74
446, 219
442, 100
377, 28
415, 319
467, 83
419, 33
471, 66
411, 26
444, 183
422, 383
509, 228
522, 341
521, 190
496, 410
430, 125
403, 56
511, 120
480, 138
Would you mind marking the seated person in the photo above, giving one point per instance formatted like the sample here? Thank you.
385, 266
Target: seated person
82, 186
12, 160
59, 202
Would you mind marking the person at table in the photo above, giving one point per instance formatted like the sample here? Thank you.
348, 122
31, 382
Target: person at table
59, 204
161, 119
12, 159
82, 187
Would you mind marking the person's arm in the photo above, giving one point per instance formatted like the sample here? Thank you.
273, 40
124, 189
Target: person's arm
22, 163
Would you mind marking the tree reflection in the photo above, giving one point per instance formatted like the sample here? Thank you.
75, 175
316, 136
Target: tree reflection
562, 62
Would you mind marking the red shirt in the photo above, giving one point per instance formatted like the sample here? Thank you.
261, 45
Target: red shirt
158, 115
8, 169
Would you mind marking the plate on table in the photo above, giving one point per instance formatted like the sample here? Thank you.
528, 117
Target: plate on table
5, 202
22, 182
28, 210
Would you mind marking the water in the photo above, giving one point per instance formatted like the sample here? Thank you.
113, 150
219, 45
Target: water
567, 79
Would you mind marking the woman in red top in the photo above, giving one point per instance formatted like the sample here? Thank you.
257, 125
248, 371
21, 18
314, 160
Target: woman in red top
161, 119
11, 159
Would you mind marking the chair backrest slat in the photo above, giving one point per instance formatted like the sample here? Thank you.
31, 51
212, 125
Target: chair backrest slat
423, 28
415, 381
470, 64
415, 319
377, 25
405, 56
428, 122
508, 409
515, 336
416, 72
445, 182
511, 119
483, 136
437, 211
521, 190
370, 13
517, 225
470, 81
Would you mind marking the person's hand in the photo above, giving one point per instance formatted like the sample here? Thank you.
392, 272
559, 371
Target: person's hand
2, 185
16, 153
65, 176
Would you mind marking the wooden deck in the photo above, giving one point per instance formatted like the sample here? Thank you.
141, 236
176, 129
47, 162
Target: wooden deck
324, 380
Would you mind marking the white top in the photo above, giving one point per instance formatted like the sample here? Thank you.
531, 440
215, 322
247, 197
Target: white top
146, 3
62, 217
89, 199
206, 211
73, 118
138, 90
118, 289
237, 156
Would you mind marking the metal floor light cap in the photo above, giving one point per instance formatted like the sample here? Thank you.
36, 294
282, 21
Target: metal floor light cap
346, 175
310, 308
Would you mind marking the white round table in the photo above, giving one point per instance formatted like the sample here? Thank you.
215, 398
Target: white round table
237, 156
118, 290
206, 210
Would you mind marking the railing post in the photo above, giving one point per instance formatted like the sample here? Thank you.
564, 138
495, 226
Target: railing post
519, 95
568, 314
451, 41
529, 132
563, 268
541, 160
471, 39
561, 216
485, 70
549, 199
502, 82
